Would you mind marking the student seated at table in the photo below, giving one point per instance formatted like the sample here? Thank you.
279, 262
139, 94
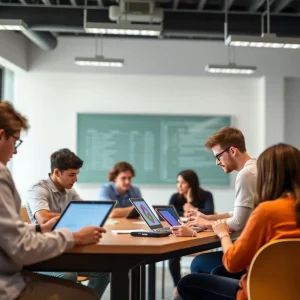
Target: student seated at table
229, 149
120, 188
277, 216
25, 244
48, 198
190, 196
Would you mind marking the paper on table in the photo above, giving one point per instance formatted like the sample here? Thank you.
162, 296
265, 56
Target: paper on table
126, 231
112, 222
183, 219
139, 222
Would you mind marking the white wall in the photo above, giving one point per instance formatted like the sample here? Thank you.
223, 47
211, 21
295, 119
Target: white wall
51, 103
292, 111
164, 57
13, 50
163, 76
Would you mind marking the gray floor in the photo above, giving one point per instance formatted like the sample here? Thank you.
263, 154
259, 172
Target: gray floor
168, 281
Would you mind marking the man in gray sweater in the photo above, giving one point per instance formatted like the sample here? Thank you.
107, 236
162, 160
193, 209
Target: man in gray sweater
20, 243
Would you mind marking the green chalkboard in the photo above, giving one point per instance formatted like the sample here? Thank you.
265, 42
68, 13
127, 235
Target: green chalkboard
158, 146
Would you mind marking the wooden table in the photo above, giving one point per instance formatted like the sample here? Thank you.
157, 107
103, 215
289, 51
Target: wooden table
120, 253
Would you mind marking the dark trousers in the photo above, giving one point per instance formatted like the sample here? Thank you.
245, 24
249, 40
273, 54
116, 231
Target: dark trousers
207, 287
211, 263
174, 267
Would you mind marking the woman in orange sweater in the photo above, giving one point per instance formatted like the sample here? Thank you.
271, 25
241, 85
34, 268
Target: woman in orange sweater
277, 216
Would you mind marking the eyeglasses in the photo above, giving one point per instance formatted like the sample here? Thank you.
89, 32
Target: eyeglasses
218, 156
18, 141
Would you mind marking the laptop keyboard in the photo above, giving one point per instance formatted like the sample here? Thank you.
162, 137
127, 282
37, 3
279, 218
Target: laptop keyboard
165, 229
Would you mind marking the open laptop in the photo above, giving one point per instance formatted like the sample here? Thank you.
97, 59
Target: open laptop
147, 214
170, 208
133, 214
79, 214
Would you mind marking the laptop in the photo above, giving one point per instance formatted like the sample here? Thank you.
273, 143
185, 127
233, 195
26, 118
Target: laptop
170, 208
133, 214
147, 214
168, 215
79, 214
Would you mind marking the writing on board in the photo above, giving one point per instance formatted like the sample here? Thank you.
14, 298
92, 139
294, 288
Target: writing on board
158, 147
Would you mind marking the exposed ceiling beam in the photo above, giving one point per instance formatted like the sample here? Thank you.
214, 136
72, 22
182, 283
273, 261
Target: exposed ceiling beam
175, 4
212, 24
227, 4
201, 4
176, 23
281, 5
256, 4
100, 3
23, 2
73, 2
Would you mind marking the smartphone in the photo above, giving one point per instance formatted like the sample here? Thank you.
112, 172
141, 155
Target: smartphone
166, 215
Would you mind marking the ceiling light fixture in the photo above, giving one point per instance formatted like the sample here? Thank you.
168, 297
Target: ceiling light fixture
11, 24
230, 68
123, 28
99, 60
266, 40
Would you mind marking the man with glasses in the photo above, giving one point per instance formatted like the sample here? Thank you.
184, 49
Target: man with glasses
24, 244
228, 146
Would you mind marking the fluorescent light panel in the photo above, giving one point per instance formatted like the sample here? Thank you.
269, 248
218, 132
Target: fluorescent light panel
10, 24
230, 69
99, 61
264, 41
123, 28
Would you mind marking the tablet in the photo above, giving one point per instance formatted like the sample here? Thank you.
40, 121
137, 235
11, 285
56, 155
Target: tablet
167, 216
79, 214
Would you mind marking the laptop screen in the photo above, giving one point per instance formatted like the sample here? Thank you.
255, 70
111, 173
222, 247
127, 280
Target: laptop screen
170, 208
169, 216
79, 214
146, 213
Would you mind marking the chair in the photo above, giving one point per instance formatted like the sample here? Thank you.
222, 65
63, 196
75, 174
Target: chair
25, 218
81, 279
24, 215
274, 271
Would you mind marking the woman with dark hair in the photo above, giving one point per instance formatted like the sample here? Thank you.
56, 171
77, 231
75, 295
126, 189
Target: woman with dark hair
276, 216
190, 196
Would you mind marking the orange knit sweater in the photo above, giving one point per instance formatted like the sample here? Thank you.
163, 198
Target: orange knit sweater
271, 220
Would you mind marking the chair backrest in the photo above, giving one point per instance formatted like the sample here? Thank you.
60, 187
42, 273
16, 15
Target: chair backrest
24, 215
275, 271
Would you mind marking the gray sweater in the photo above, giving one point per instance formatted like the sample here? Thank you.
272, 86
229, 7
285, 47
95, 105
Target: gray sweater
19, 243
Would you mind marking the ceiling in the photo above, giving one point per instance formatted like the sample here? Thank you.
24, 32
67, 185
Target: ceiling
187, 19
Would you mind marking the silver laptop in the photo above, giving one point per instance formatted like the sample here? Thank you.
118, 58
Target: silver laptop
147, 214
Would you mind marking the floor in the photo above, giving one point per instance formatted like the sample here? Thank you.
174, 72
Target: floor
168, 280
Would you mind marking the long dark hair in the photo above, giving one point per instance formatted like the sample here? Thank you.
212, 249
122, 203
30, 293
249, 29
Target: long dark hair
278, 173
192, 179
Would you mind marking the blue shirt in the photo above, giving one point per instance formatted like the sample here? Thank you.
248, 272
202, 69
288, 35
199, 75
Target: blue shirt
109, 192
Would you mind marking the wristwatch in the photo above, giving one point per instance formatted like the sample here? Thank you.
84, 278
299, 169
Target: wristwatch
38, 228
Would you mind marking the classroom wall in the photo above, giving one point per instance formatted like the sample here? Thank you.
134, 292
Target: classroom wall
292, 111
52, 102
13, 50
163, 77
